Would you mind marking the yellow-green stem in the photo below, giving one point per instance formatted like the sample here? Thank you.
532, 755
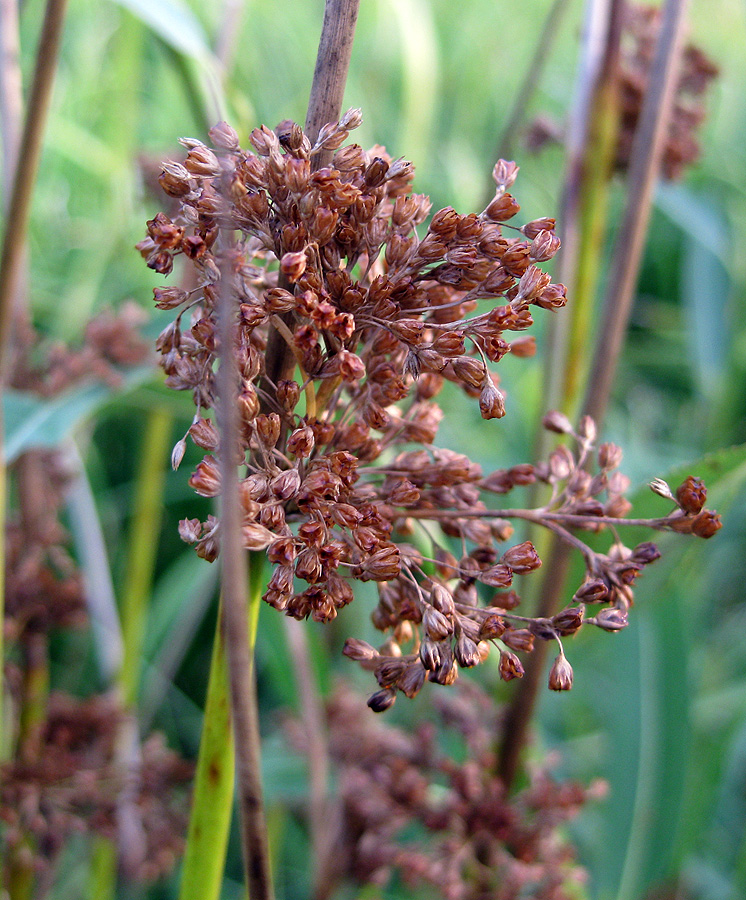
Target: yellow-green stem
212, 802
143, 543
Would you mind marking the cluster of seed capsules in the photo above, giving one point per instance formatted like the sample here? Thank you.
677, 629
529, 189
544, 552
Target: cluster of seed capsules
349, 323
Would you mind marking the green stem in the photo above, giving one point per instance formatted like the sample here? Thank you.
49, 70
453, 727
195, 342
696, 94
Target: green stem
212, 801
143, 544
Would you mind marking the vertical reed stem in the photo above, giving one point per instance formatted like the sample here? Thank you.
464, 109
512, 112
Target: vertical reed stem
28, 163
234, 576
647, 151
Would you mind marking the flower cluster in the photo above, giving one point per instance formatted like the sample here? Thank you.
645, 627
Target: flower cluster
74, 787
642, 24
440, 818
330, 279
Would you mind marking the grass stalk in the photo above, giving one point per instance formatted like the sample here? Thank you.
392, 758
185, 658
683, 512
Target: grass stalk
645, 160
644, 167
19, 208
234, 583
212, 800
324, 105
143, 544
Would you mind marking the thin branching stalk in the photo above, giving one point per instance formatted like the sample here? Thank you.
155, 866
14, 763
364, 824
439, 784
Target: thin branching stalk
28, 162
647, 152
234, 578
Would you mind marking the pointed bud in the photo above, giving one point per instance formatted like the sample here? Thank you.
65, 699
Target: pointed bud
177, 454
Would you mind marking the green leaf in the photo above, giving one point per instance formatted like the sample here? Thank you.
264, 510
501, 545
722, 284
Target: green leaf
34, 422
174, 23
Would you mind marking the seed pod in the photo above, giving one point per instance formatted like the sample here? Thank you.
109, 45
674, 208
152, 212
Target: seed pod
519, 639
491, 401
521, 558
382, 700
224, 137
691, 495
706, 524
560, 675
610, 619
510, 666
568, 621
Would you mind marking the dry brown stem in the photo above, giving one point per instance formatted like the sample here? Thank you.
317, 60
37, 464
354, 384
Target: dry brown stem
235, 612
645, 163
20, 199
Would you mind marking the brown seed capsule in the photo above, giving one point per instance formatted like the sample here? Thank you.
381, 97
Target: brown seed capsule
293, 265
521, 558
519, 639
691, 495
504, 173
497, 576
492, 627
190, 530
510, 666
560, 675
491, 401
382, 700
224, 137
706, 524
436, 625
301, 442
206, 478
593, 591
174, 179
558, 422
255, 536
611, 619
568, 621
169, 297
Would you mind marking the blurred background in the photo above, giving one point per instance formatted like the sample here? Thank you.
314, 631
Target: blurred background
658, 710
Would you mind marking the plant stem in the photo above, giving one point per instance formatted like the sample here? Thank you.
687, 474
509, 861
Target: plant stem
324, 105
647, 151
212, 800
526, 90
234, 577
143, 543
312, 714
28, 162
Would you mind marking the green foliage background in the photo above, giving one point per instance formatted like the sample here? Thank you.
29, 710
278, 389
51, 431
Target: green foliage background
659, 710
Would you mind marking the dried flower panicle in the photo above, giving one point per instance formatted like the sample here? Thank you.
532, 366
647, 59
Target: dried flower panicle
330, 278
442, 820
73, 786
642, 24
